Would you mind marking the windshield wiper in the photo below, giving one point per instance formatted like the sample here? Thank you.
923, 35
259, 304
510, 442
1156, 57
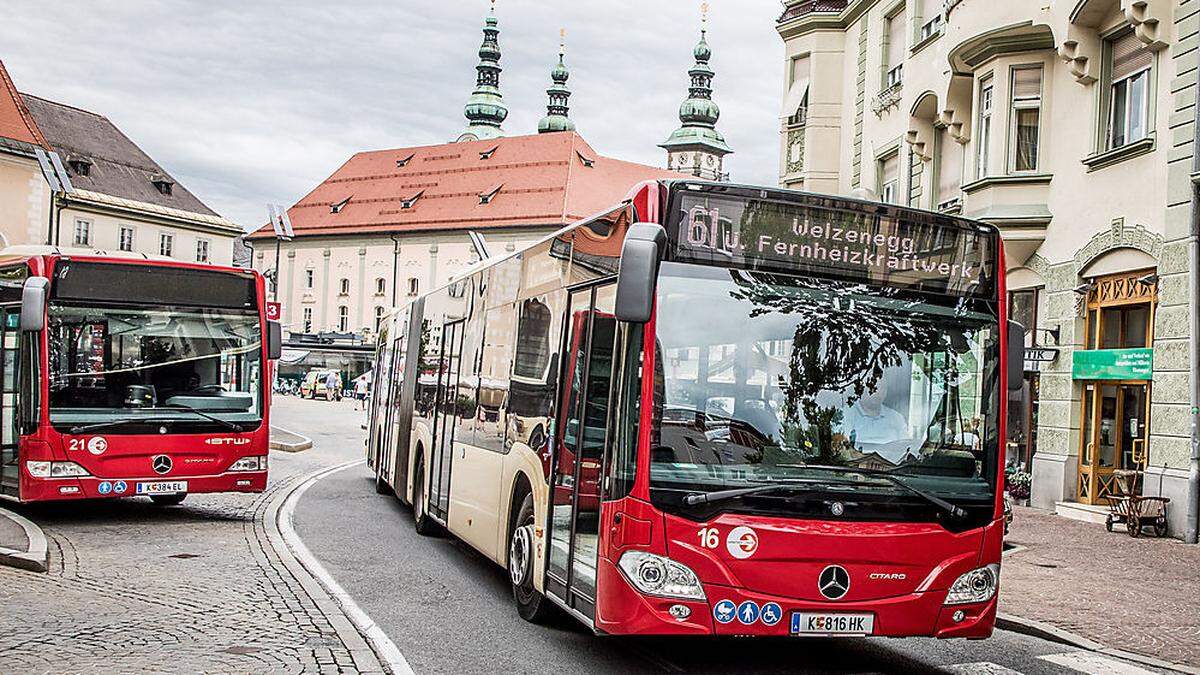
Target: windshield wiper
79, 429
721, 495
226, 423
950, 509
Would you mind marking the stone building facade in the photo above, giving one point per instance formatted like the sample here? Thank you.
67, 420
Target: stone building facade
1069, 124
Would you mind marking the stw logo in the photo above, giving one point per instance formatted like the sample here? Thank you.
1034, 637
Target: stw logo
227, 441
741, 542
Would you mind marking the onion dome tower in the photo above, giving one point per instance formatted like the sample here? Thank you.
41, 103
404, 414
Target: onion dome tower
556, 112
485, 110
696, 147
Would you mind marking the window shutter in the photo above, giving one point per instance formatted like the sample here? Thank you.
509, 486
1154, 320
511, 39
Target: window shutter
897, 26
950, 167
891, 168
1129, 55
1027, 83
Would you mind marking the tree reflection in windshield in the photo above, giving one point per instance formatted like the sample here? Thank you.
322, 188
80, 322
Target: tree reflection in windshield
759, 374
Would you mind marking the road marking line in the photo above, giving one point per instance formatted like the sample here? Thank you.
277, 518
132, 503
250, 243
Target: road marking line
1095, 664
384, 648
983, 667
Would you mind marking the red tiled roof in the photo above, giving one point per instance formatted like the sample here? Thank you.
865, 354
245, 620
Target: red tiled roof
537, 180
15, 121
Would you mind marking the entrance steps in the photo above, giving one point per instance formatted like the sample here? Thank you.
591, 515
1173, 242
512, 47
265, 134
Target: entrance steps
1088, 513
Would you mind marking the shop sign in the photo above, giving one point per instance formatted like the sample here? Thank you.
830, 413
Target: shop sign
1113, 364
1036, 356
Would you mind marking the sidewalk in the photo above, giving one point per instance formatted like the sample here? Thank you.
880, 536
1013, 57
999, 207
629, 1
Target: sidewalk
1139, 595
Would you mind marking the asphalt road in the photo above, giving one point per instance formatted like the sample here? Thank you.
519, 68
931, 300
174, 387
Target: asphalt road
450, 610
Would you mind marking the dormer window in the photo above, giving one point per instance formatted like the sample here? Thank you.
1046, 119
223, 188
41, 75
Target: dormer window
487, 197
411, 201
337, 207
402, 162
587, 161
162, 184
487, 154
80, 166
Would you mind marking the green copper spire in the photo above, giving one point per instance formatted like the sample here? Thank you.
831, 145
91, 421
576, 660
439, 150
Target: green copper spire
556, 112
696, 146
485, 110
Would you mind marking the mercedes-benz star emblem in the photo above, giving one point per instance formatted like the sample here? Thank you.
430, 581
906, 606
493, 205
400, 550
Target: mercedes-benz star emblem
834, 582
161, 464
837, 508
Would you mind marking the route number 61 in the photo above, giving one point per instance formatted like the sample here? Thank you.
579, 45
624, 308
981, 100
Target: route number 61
710, 537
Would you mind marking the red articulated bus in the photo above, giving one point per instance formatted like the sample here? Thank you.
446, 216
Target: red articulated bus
126, 375
718, 410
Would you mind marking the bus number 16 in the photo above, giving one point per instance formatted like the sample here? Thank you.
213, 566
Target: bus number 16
710, 537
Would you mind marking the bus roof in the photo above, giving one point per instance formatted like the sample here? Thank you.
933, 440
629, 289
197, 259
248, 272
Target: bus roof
27, 251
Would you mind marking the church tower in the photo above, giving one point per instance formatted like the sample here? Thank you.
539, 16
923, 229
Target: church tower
696, 147
485, 110
556, 112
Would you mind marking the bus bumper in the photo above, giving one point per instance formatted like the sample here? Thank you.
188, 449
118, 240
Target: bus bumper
622, 610
92, 487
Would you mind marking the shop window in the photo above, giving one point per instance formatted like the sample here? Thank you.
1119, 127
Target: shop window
1022, 308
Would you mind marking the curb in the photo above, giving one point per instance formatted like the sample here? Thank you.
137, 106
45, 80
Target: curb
37, 558
1045, 631
369, 646
304, 442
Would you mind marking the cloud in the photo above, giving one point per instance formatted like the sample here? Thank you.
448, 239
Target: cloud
255, 102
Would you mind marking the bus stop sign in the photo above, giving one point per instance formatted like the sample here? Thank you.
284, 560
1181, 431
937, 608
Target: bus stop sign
274, 311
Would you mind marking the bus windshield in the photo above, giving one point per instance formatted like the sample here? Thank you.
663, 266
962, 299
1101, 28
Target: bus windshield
783, 378
161, 362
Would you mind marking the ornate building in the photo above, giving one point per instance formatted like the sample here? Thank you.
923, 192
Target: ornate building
1068, 124
696, 147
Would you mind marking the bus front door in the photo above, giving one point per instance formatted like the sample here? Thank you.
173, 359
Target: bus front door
580, 437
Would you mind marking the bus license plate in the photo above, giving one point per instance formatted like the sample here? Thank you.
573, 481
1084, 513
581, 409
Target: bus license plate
162, 487
813, 623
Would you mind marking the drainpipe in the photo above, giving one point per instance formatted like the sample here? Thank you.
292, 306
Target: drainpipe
1192, 530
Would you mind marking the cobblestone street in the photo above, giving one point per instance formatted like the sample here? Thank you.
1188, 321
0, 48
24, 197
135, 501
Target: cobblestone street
1138, 595
137, 588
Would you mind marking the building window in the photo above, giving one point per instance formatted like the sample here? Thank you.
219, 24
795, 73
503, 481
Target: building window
378, 319
929, 18
380, 286
344, 287
83, 232
983, 129
308, 319
414, 286
1022, 308
1129, 90
202, 250
125, 238
893, 48
343, 319
308, 279
889, 178
1026, 115
166, 244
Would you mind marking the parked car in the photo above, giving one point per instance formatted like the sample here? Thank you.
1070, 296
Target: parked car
313, 385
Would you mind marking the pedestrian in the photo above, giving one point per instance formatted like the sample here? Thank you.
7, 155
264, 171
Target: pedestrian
360, 393
333, 386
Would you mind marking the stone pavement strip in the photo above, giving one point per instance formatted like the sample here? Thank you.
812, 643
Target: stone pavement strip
1138, 595
135, 588
22, 543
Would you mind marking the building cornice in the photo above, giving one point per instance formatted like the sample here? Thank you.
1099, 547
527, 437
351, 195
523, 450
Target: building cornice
1014, 179
823, 20
97, 202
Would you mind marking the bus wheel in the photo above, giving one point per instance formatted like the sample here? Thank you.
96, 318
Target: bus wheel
531, 605
423, 523
168, 500
381, 486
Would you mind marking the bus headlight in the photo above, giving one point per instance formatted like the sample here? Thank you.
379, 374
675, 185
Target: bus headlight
256, 463
978, 585
55, 469
655, 575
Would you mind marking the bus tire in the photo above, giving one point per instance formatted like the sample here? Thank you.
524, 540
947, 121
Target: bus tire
531, 605
168, 500
381, 486
423, 524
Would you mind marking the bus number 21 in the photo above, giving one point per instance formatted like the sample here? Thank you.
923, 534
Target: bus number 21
710, 537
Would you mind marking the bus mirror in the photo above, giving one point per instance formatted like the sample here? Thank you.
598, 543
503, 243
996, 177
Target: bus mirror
33, 303
274, 340
638, 274
1016, 356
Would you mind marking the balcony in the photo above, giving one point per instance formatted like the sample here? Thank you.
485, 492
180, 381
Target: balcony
805, 7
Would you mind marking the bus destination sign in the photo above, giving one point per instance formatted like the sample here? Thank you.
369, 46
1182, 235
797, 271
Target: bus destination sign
819, 238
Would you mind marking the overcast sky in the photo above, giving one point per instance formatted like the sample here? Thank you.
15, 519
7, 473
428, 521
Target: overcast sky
251, 102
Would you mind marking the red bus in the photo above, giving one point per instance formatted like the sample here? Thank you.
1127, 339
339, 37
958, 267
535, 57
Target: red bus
773, 413
125, 375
